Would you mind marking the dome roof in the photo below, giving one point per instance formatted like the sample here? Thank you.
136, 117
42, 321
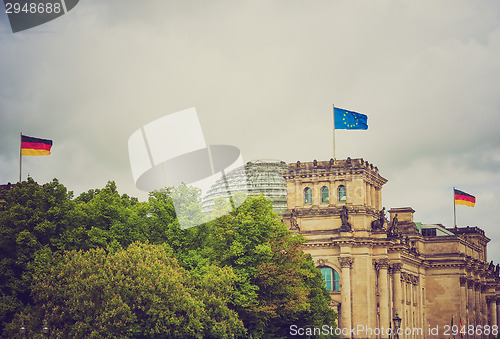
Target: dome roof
254, 178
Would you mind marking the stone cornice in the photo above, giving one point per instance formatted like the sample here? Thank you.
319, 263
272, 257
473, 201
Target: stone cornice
335, 168
330, 210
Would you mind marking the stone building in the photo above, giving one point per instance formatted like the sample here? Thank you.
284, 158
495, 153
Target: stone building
377, 267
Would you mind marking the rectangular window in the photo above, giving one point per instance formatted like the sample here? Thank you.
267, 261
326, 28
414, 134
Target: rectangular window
327, 277
429, 232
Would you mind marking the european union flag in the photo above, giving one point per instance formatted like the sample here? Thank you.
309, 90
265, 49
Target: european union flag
349, 120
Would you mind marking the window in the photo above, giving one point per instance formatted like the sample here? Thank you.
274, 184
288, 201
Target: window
325, 194
342, 193
429, 232
308, 195
328, 274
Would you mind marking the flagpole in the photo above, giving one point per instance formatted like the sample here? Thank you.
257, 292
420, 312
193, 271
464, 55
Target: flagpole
20, 154
454, 209
334, 132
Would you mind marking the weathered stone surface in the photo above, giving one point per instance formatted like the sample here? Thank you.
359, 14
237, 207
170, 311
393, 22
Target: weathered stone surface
426, 280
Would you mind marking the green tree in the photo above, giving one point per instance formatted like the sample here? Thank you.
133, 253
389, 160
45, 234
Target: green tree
31, 221
138, 292
37, 221
278, 285
105, 217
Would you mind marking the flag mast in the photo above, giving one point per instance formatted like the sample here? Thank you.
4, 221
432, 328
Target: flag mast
454, 209
20, 154
333, 132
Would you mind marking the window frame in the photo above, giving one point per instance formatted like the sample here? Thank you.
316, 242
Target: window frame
323, 189
342, 189
307, 195
333, 283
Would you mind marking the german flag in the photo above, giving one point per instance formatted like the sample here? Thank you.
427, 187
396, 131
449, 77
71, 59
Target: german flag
462, 198
35, 146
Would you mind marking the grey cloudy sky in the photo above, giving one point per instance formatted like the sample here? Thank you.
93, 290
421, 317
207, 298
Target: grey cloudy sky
263, 76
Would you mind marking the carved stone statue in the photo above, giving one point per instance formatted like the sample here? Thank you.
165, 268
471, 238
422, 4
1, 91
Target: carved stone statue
378, 224
344, 217
393, 228
293, 221
381, 216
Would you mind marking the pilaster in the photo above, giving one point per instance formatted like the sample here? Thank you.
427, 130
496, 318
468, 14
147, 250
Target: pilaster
345, 291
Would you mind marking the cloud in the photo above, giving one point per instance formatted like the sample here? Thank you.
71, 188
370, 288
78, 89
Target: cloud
263, 76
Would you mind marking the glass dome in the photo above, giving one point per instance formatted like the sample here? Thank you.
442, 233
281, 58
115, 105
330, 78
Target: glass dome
254, 178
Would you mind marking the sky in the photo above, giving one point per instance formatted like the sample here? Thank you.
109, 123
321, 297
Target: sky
263, 76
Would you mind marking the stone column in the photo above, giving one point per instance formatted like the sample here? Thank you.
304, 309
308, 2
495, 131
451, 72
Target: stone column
498, 310
477, 302
492, 311
299, 194
396, 271
345, 292
383, 288
484, 305
471, 319
404, 299
368, 194
334, 198
378, 198
463, 299
372, 193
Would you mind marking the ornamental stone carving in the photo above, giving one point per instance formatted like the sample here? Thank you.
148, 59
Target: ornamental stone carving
381, 263
396, 267
321, 262
346, 262
409, 278
414, 279
463, 281
470, 283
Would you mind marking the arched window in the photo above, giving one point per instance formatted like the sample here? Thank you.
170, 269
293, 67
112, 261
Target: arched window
342, 193
308, 195
331, 278
325, 194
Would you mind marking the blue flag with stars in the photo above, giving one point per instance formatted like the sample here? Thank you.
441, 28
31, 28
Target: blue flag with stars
349, 120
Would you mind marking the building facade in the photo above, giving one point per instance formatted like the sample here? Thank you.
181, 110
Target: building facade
378, 266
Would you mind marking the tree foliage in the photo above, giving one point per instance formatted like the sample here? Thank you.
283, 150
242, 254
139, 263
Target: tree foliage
79, 260
137, 292
277, 283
